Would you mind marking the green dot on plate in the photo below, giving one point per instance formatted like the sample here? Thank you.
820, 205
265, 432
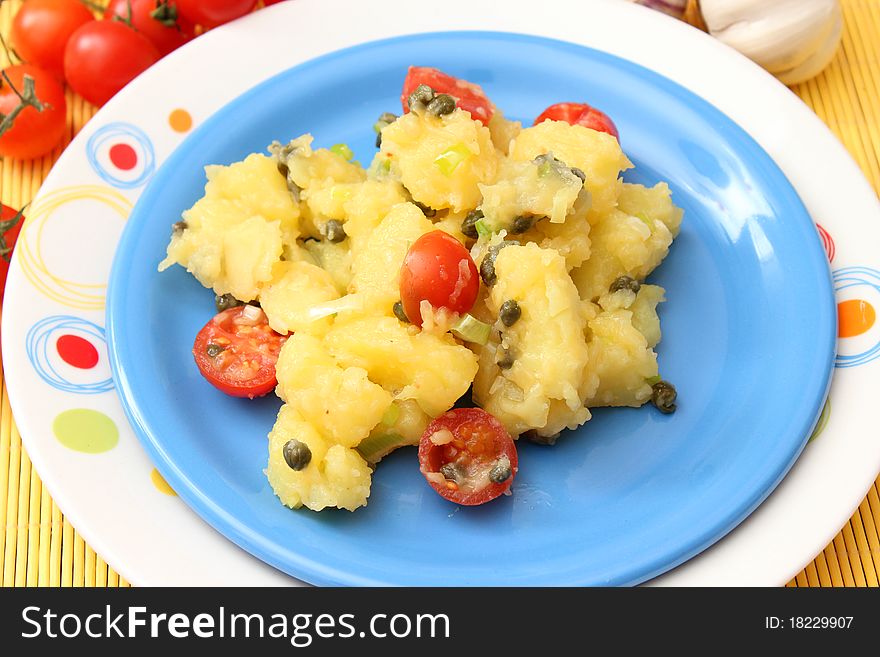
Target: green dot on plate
85, 430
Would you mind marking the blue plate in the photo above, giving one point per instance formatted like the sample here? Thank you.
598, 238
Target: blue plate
749, 337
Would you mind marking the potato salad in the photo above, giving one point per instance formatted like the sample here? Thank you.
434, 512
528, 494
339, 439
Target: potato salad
477, 283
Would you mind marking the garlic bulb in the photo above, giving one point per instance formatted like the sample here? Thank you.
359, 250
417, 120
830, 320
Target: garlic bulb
793, 39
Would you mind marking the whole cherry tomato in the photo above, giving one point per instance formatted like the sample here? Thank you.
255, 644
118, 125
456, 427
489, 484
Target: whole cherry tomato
439, 270
41, 28
158, 20
10, 226
579, 114
210, 13
468, 96
31, 133
103, 56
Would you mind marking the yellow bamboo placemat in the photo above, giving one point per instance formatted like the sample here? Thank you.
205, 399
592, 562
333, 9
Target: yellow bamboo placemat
39, 547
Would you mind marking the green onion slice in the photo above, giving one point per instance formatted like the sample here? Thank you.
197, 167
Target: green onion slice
470, 329
374, 447
449, 160
342, 150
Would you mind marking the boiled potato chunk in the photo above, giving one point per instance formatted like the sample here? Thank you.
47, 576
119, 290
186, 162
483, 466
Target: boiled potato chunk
651, 203
369, 204
620, 357
334, 258
234, 234
434, 370
294, 288
441, 160
622, 245
503, 131
597, 154
644, 309
545, 386
536, 189
339, 401
377, 265
336, 476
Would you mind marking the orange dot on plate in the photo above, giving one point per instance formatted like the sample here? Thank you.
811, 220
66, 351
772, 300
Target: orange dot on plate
180, 120
854, 317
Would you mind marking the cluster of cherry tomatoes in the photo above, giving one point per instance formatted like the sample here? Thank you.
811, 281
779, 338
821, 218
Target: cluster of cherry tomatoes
62, 41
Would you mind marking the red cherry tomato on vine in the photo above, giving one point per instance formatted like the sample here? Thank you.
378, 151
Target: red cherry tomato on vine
210, 13
33, 133
467, 456
236, 352
579, 114
439, 270
103, 56
41, 28
468, 96
10, 226
158, 20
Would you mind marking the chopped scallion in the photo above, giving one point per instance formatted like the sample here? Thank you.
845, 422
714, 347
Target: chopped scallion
449, 160
470, 329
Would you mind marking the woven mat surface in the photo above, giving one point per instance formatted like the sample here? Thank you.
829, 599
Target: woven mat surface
38, 546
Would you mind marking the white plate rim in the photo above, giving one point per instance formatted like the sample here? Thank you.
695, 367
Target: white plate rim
772, 545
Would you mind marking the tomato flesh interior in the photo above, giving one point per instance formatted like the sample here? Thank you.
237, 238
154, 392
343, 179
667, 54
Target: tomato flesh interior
237, 350
462, 450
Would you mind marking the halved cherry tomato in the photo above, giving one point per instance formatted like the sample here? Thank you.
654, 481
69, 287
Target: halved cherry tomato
236, 352
33, 133
439, 270
467, 456
468, 96
41, 28
579, 114
157, 20
10, 226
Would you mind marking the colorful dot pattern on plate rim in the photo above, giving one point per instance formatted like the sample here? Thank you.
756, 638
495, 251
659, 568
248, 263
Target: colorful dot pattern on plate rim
858, 293
832, 223
68, 352
122, 155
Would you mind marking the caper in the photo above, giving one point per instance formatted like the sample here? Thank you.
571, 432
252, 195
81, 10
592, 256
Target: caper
225, 302
501, 471
426, 210
178, 227
580, 174
442, 104
532, 436
420, 97
297, 454
469, 225
334, 231
521, 224
624, 283
487, 266
450, 472
509, 312
385, 119
399, 312
214, 350
505, 359
663, 394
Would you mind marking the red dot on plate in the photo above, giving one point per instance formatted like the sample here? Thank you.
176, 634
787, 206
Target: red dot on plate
77, 351
123, 156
